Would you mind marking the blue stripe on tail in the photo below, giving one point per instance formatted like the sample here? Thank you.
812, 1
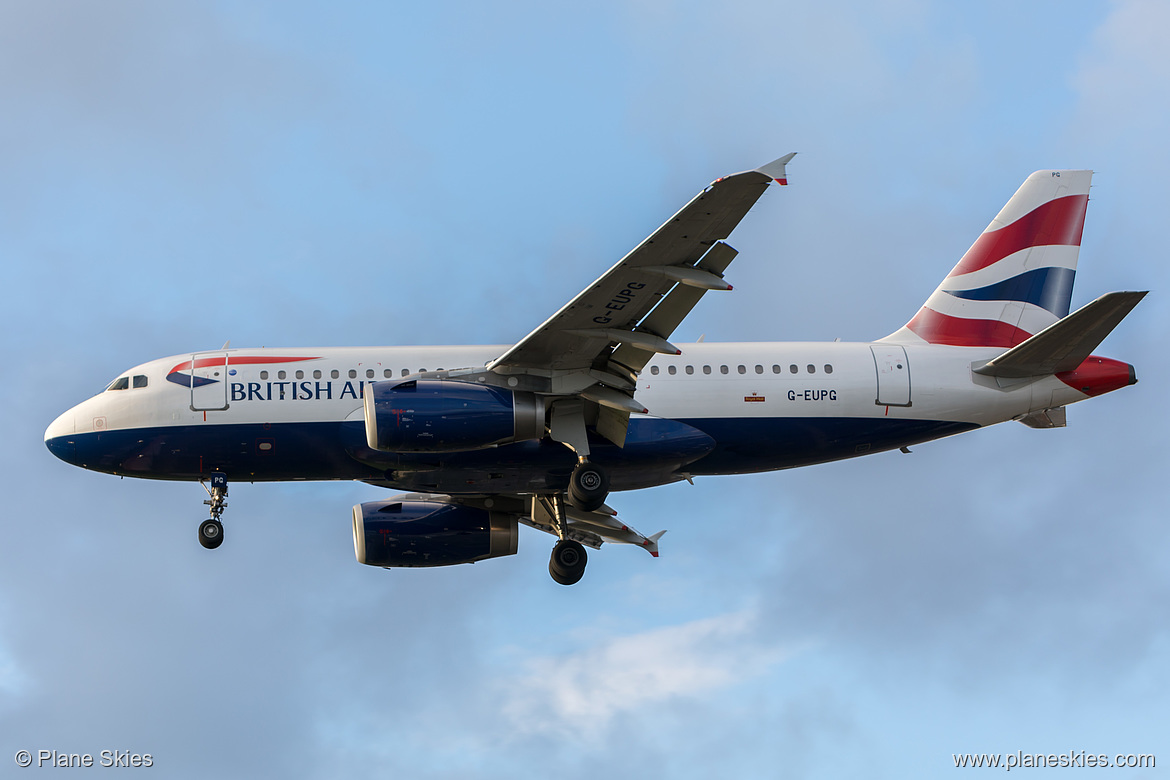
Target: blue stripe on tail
1048, 288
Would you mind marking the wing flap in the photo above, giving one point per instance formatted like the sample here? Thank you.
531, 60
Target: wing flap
674, 308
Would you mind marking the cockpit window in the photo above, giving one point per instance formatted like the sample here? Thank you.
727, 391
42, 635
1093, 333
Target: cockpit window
140, 380
121, 383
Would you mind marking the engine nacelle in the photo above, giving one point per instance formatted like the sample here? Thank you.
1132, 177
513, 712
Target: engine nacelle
429, 533
435, 415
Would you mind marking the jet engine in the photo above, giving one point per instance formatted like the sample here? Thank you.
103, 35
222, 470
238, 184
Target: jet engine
434, 415
429, 533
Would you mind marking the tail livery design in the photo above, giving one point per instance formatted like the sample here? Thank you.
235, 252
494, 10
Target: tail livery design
1017, 278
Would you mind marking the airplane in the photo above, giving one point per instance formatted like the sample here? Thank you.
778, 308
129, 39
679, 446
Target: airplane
596, 400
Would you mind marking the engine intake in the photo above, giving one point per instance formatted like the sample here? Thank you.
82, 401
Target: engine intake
429, 533
435, 415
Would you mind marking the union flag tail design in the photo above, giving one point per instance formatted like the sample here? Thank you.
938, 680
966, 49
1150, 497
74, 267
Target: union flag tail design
1017, 278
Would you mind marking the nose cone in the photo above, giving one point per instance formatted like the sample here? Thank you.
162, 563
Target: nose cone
60, 437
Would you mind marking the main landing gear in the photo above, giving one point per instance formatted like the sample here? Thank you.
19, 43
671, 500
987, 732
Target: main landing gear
211, 531
588, 486
567, 565
588, 489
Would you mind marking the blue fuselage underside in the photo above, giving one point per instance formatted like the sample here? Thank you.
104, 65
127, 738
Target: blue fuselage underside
656, 452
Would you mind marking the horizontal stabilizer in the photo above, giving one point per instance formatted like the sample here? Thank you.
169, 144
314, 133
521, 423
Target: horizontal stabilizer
1065, 344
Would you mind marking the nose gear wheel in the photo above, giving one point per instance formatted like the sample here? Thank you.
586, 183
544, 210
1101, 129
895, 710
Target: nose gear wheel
211, 531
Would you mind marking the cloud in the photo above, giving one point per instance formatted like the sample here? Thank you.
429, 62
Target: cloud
581, 693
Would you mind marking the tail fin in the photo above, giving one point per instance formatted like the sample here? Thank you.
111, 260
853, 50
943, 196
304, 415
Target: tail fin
1017, 278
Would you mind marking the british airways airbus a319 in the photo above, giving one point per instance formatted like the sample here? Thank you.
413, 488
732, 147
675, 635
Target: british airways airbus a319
596, 399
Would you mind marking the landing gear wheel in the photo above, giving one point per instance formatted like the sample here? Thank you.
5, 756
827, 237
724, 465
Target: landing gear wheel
211, 531
567, 564
588, 486
211, 534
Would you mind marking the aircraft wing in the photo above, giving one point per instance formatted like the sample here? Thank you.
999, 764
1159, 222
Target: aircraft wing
685, 254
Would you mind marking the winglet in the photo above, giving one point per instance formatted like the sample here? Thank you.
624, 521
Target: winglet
651, 543
775, 169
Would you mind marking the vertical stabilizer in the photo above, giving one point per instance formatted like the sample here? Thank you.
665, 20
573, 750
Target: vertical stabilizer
1017, 278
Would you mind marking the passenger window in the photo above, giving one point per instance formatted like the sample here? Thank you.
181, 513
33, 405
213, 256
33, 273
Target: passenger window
263, 374
706, 369
281, 374
406, 372
352, 374
654, 370
672, 370
792, 369
743, 369
759, 369
690, 369
387, 373
775, 369
369, 373
828, 369
317, 374
811, 368
121, 383
300, 374
334, 374
722, 369
140, 381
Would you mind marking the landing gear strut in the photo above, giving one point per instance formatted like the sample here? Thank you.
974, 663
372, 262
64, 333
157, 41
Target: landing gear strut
567, 564
211, 531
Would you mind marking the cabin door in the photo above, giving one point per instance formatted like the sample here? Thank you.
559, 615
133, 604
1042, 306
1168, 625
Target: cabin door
209, 381
893, 375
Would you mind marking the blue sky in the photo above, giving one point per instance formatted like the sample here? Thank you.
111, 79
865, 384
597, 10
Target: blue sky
283, 174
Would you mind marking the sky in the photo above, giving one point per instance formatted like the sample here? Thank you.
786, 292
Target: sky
175, 175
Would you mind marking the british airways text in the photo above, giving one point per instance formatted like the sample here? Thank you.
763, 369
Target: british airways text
295, 391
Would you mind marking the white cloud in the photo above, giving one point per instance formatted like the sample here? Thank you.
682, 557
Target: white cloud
580, 694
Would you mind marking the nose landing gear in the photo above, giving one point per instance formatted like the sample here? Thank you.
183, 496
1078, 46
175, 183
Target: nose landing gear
211, 531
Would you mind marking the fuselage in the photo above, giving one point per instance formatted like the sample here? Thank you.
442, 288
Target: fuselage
297, 414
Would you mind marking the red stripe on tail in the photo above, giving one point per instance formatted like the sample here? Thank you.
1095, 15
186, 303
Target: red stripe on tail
939, 328
1057, 222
